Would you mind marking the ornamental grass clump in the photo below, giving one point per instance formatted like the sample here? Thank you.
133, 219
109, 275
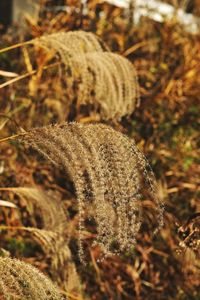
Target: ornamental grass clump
22, 281
107, 170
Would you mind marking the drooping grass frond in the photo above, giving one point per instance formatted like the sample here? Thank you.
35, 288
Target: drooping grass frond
88, 73
52, 237
107, 170
72, 47
111, 85
93, 75
50, 209
56, 248
22, 281
75, 42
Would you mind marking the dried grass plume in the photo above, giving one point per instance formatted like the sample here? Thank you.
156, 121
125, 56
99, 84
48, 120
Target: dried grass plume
22, 281
107, 170
52, 235
94, 75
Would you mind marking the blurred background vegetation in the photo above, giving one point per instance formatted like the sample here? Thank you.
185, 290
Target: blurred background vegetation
166, 55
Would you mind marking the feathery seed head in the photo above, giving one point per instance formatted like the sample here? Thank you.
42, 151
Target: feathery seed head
106, 80
107, 170
22, 281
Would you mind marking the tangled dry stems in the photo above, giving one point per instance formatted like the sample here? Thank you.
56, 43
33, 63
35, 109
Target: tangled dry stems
22, 281
107, 170
93, 74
